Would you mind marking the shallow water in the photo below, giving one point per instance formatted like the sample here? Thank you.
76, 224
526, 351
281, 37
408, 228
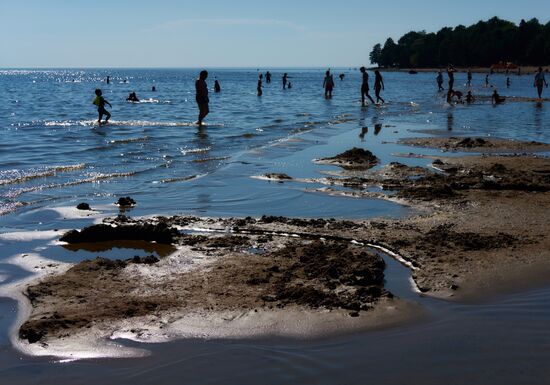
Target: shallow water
53, 156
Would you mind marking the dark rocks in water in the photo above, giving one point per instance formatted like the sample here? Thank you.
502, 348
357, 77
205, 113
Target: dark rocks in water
278, 176
159, 233
413, 72
355, 158
84, 206
126, 202
476, 142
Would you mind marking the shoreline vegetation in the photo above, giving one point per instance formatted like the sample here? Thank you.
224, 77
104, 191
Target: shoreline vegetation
481, 223
495, 43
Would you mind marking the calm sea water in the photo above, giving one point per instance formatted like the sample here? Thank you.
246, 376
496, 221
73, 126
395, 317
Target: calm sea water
52, 154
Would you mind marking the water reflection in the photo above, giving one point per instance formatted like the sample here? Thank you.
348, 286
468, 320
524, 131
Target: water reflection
450, 121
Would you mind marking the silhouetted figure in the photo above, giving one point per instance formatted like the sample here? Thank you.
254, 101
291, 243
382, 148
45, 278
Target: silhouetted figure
285, 77
268, 77
201, 96
365, 86
496, 98
487, 80
132, 97
100, 102
108, 80
259, 88
154, 89
519, 71
454, 94
508, 82
217, 87
439, 80
469, 77
289, 85
377, 128
378, 86
470, 98
540, 82
364, 131
451, 74
328, 84
342, 76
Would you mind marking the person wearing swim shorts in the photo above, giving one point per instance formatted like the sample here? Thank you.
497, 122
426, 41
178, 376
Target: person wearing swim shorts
365, 86
201, 96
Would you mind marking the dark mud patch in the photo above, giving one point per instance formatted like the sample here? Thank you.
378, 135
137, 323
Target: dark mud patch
356, 158
476, 144
278, 176
159, 233
329, 275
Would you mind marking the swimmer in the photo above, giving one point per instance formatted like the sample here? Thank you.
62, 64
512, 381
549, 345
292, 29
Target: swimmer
496, 98
132, 97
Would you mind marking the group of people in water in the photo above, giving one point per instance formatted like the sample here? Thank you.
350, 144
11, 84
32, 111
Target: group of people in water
456, 96
201, 90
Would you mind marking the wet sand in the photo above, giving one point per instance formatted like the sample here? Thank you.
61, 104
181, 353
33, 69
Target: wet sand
483, 221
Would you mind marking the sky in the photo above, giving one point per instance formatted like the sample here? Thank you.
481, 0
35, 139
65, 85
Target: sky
226, 33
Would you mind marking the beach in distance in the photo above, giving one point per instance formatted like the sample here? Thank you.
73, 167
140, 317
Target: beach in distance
288, 225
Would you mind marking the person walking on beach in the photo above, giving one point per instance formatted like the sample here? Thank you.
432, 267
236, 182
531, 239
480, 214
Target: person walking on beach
285, 76
259, 88
268, 77
378, 86
201, 96
439, 80
451, 75
469, 77
365, 86
100, 102
328, 84
540, 82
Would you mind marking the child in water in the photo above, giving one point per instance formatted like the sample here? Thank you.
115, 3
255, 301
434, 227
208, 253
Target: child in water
496, 98
100, 102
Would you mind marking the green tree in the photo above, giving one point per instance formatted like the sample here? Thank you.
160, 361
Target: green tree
376, 54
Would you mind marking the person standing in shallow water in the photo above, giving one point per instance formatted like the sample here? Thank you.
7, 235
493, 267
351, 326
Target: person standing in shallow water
259, 88
540, 82
451, 75
285, 76
201, 96
365, 86
469, 77
217, 87
100, 102
268, 77
378, 86
328, 84
439, 80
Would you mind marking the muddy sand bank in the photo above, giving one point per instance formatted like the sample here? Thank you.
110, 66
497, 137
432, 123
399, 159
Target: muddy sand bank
483, 221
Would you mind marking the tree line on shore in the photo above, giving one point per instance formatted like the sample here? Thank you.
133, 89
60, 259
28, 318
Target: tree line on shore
479, 45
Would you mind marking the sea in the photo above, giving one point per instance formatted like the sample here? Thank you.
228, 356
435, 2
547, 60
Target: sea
54, 155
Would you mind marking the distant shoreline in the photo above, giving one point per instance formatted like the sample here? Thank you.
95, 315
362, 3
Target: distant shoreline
525, 70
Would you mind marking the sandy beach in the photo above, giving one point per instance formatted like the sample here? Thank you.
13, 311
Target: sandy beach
481, 227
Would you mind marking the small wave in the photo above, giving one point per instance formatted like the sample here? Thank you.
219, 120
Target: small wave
14, 193
129, 140
8, 207
206, 160
18, 176
186, 151
182, 178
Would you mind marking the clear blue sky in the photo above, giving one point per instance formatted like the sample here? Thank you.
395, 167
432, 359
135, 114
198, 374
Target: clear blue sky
225, 33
